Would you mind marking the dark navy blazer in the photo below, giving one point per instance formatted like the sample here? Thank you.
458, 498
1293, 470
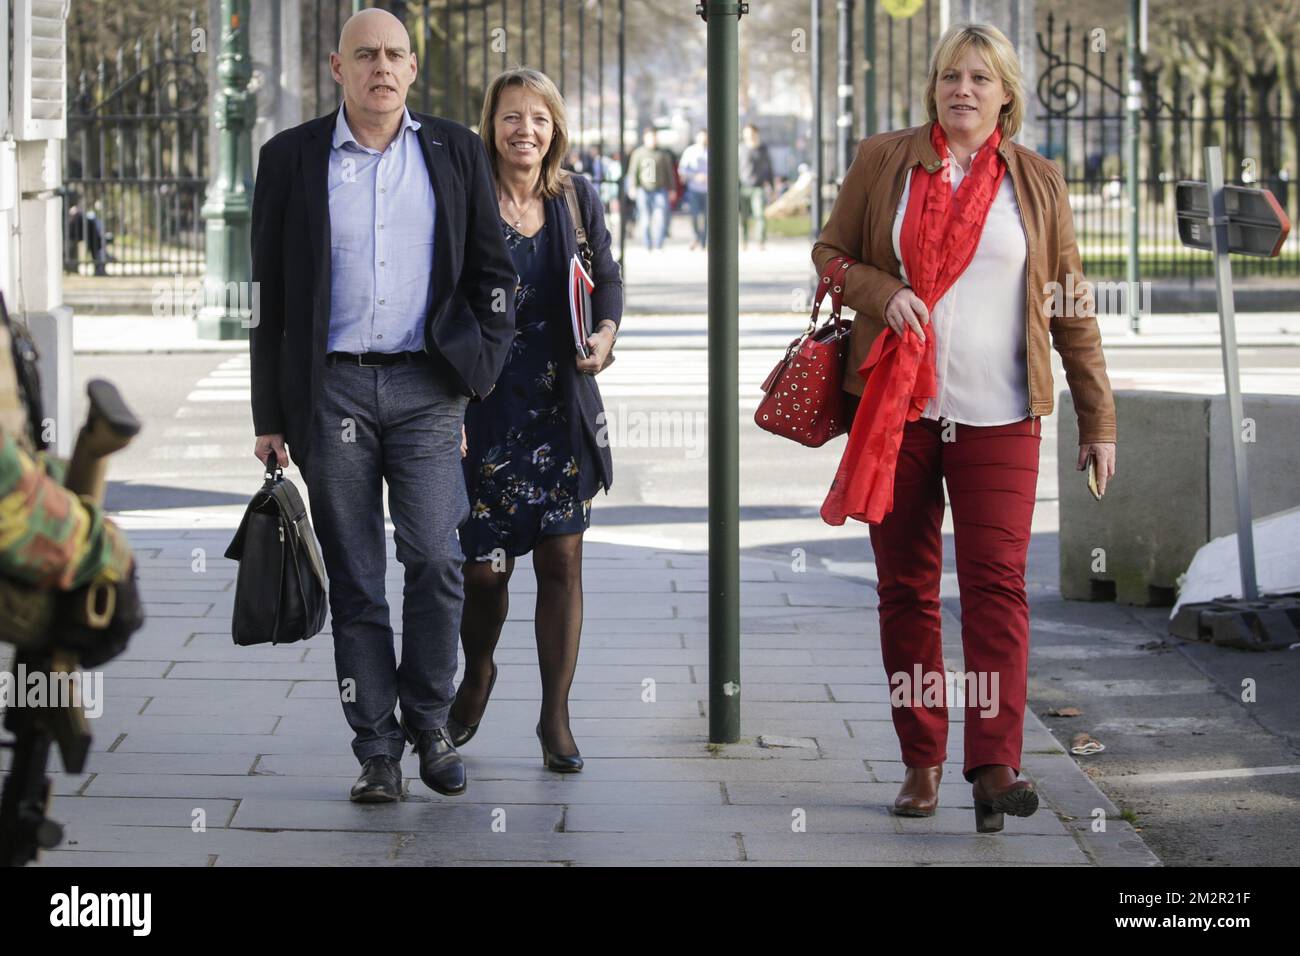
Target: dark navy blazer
585, 408
473, 275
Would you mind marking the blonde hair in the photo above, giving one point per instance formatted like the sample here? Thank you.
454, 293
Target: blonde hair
991, 44
553, 174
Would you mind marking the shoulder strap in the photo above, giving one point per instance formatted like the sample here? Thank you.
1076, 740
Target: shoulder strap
832, 281
571, 200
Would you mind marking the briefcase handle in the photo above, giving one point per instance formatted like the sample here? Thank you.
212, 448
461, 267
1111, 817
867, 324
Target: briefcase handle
273, 470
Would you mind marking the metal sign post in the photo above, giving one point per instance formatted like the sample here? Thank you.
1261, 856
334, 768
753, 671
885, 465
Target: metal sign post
1231, 373
1246, 221
1135, 48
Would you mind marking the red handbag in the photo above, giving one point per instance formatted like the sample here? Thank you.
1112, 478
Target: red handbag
803, 398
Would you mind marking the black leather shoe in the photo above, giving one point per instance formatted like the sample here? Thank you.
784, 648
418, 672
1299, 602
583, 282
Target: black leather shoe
441, 768
461, 734
380, 781
560, 763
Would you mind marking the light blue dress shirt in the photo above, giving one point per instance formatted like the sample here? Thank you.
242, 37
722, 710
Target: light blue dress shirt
382, 212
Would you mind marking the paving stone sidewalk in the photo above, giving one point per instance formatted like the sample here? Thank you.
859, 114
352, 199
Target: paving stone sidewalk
251, 742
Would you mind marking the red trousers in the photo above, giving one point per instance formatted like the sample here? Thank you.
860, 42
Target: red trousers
992, 475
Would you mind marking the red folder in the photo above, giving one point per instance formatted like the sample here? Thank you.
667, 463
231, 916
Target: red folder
580, 289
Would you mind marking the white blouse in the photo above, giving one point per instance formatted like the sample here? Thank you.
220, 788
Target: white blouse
979, 324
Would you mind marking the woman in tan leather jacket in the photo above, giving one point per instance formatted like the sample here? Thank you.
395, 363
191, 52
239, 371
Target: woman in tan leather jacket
905, 219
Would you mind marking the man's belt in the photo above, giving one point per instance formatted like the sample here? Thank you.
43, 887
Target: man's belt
369, 359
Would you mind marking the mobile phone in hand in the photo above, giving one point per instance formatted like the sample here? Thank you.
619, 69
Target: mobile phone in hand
1092, 478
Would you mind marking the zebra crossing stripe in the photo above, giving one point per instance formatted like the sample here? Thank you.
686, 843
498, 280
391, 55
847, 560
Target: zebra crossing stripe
1193, 775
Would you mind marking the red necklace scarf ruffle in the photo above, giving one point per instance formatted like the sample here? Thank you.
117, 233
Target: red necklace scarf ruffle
941, 230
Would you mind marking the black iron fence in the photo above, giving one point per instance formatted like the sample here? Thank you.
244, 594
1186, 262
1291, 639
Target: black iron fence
1076, 116
135, 161
1080, 94
461, 45
136, 153
903, 48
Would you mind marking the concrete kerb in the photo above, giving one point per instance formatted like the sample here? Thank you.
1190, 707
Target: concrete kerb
1075, 798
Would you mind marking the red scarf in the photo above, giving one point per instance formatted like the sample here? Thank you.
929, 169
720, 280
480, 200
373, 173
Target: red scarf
941, 230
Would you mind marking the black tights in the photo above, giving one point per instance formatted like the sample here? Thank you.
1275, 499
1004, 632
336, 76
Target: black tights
557, 563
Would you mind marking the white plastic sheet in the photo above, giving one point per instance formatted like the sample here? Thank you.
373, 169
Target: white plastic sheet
1215, 572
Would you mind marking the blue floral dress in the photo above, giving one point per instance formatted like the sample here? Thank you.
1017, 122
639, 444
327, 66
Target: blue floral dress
522, 469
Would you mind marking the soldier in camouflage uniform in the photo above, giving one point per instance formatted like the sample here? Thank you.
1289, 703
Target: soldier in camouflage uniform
57, 553
50, 539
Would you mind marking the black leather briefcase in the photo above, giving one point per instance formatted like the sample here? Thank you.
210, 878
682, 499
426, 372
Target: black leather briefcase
280, 589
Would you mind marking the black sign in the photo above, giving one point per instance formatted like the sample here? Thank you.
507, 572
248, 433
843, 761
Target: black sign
1257, 224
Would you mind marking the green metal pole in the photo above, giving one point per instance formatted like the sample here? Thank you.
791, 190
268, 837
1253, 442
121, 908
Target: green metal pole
228, 297
1133, 104
724, 371
623, 203
818, 150
869, 65
844, 141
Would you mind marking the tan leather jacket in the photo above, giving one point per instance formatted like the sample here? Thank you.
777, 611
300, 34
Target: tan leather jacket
860, 226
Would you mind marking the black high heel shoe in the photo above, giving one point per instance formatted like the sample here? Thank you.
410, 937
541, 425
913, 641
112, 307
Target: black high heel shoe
459, 733
560, 763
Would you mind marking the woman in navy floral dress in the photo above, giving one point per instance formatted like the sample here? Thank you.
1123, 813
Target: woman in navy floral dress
522, 469
535, 458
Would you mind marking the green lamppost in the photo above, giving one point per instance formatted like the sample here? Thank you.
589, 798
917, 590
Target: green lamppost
229, 301
723, 19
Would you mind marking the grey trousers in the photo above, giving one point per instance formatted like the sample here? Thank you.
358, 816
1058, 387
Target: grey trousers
400, 424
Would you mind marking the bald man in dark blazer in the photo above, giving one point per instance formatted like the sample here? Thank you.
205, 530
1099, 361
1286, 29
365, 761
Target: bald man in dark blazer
386, 303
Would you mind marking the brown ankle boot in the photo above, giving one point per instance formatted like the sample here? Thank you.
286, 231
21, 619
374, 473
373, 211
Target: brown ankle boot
919, 795
997, 791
